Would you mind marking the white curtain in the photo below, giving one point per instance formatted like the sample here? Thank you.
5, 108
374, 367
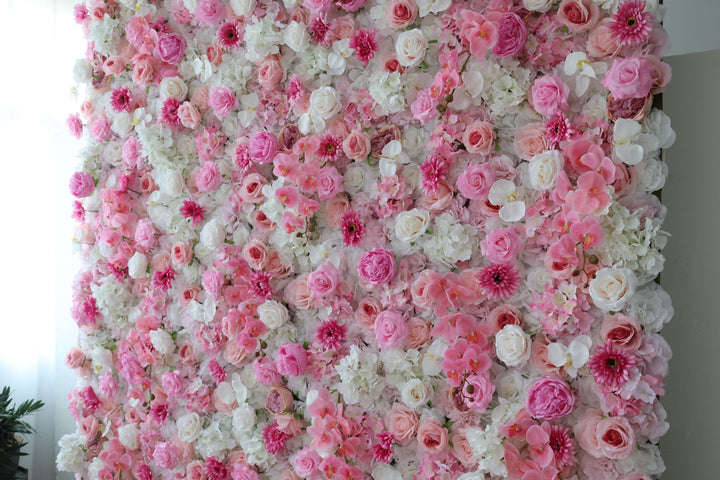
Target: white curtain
40, 43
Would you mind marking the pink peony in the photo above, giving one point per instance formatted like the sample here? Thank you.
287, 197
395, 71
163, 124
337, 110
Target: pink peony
222, 100
377, 267
630, 77
171, 48
263, 147
210, 12
324, 280
265, 372
82, 184
292, 360
512, 35
549, 398
390, 329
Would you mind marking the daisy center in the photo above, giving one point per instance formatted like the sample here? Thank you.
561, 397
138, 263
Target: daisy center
631, 22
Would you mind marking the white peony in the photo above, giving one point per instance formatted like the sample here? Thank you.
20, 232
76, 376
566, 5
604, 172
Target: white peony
651, 305
242, 7
512, 345
213, 234
612, 288
243, 420
410, 47
544, 169
128, 436
385, 472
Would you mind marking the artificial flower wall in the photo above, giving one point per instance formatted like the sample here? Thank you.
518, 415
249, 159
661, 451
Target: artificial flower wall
402, 239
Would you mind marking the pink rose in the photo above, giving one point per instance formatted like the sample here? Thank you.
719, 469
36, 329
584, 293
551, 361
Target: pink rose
356, 145
297, 293
419, 290
502, 315
324, 280
75, 358
400, 13
578, 15
502, 245
329, 183
165, 455
189, 115
601, 42
222, 100
195, 470
213, 281
549, 95
145, 233
615, 437
367, 311
549, 398
403, 423
512, 34
113, 65
624, 332
479, 137
292, 359
390, 329
263, 147
462, 449
418, 332
208, 178
424, 107
181, 254
171, 48
432, 436
82, 184
630, 77
475, 181
142, 71
251, 188
530, 140
210, 12
306, 462
101, 129
255, 253
270, 72
377, 267
265, 372
350, 5
342, 27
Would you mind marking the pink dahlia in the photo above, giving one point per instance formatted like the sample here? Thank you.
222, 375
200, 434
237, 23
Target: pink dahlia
320, 32
499, 280
331, 334
364, 44
352, 228
260, 285
196, 212
562, 445
383, 450
163, 280
631, 24
216, 470
433, 170
169, 112
558, 129
121, 99
274, 439
611, 367
229, 35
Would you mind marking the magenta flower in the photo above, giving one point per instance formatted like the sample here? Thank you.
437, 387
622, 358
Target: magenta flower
561, 444
169, 112
260, 285
330, 148
352, 228
631, 24
196, 212
121, 99
163, 280
382, 452
331, 334
433, 170
558, 129
611, 367
216, 470
229, 35
364, 44
320, 31
274, 439
499, 280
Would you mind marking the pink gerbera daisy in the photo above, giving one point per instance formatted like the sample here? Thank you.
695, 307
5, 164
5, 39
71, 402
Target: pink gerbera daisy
433, 170
364, 44
611, 367
331, 334
562, 446
383, 450
260, 285
499, 280
229, 35
352, 228
274, 439
196, 212
631, 24
216, 470
169, 112
330, 148
121, 99
558, 129
163, 280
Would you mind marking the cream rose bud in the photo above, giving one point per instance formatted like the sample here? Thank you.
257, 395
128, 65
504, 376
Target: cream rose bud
412, 224
212, 234
512, 345
325, 102
296, 36
242, 7
273, 314
415, 393
544, 169
189, 427
173, 87
162, 341
137, 266
410, 47
538, 5
128, 436
612, 287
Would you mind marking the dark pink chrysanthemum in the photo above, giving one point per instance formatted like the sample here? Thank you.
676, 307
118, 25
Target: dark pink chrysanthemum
352, 228
611, 367
159, 412
433, 170
196, 212
169, 112
121, 99
80, 13
144, 473
382, 452
330, 148
216, 470
274, 439
295, 87
229, 35
499, 280
562, 446
630, 24
320, 32
331, 334
364, 44
260, 285
78, 212
85, 312
216, 371
163, 280
558, 129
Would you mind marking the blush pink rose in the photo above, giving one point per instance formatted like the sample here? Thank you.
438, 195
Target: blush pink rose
377, 267
82, 184
292, 359
418, 332
367, 311
208, 178
512, 35
624, 332
578, 15
501, 245
75, 358
165, 455
432, 436
356, 145
390, 329
306, 462
329, 183
630, 77
479, 137
210, 12
171, 48
475, 181
403, 423
251, 188
212, 281
263, 147
549, 398
145, 233
181, 254
255, 253
419, 290
189, 115
342, 27
297, 293
400, 13
615, 437
461, 447
530, 140
601, 42
222, 100
270, 72
502, 315
279, 400
324, 280
266, 373
549, 95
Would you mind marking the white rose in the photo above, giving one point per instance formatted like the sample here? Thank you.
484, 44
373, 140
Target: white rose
189, 427
296, 36
162, 341
412, 224
171, 183
212, 234
410, 47
354, 179
243, 419
512, 345
544, 168
415, 393
122, 124
612, 287
272, 313
510, 385
173, 87
137, 265
128, 436
538, 5
225, 393
82, 71
325, 102
242, 7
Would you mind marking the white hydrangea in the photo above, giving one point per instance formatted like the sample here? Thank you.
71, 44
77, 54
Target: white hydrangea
71, 457
358, 376
214, 441
388, 90
450, 241
262, 37
487, 444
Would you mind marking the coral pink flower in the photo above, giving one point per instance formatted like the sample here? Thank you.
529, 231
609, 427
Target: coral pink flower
611, 367
320, 31
631, 24
364, 44
352, 228
499, 280
163, 280
591, 195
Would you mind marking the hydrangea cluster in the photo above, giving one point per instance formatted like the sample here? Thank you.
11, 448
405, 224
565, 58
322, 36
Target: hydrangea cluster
353, 239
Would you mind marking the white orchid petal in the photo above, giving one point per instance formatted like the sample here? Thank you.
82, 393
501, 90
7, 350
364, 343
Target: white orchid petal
629, 154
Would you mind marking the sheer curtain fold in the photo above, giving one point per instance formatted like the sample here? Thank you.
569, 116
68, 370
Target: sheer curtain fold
40, 44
